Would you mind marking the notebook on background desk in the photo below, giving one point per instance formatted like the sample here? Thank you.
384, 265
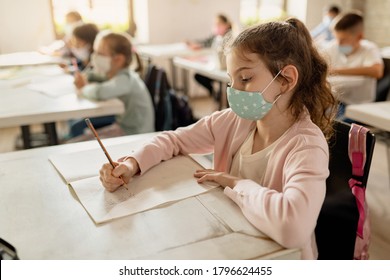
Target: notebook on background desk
55, 86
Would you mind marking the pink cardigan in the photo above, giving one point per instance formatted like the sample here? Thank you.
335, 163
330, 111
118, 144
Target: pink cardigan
287, 203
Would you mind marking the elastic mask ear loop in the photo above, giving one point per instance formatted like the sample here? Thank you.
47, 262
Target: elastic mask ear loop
276, 99
272, 81
262, 93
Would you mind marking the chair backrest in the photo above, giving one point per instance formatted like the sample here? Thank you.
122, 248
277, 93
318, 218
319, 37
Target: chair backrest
338, 219
383, 84
151, 78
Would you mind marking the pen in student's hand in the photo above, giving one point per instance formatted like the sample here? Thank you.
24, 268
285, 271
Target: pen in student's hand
74, 63
90, 125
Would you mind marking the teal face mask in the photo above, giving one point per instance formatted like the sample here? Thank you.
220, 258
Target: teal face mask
250, 105
346, 49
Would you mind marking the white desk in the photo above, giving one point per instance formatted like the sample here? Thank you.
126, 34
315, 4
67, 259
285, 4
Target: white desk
206, 65
375, 114
385, 52
168, 51
41, 217
27, 58
21, 106
346, 86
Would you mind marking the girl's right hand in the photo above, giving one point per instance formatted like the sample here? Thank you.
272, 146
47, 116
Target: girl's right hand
110, 177
80, 80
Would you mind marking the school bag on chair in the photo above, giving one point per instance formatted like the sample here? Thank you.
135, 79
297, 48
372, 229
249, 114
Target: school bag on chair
172, 110
357, 155
342, 230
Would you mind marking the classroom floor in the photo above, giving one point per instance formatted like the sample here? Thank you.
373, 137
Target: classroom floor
378, 187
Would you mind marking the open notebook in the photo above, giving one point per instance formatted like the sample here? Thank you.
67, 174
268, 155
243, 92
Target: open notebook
55, 86
167, 182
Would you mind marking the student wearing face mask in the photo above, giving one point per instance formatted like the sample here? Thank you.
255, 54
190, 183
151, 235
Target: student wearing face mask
82, 41
270, 149
350, 55
62, 47
112, 77
322, 33
72, 20
222, 28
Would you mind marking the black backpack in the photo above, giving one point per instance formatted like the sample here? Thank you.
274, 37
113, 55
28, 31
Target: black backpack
171, 110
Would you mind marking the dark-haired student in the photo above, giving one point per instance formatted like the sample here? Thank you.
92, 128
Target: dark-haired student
350, 55
83, 38
323, 33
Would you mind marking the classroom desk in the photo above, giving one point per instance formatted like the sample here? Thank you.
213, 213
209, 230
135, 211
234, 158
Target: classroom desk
206, 65
21, 106
167, 51
377, 115
43, 219
27, 59
385, 52
347, 85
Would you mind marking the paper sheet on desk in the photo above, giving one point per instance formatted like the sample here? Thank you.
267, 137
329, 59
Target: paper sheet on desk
167, 182
55, 86
86, 164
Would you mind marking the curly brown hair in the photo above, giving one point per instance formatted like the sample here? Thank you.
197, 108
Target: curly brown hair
289, 43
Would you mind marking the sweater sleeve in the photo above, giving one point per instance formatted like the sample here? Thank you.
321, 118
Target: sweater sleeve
289, 217
112, 88
196, 138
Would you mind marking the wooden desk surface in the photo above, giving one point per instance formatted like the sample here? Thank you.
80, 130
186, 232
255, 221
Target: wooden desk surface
43, 219
376, 114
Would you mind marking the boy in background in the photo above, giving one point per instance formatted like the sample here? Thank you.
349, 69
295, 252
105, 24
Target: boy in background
355, 63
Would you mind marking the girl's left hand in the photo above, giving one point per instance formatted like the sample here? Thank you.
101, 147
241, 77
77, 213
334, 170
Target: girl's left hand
221, 178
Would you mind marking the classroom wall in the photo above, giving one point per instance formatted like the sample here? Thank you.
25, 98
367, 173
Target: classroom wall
377, 22
24, 25
177, 20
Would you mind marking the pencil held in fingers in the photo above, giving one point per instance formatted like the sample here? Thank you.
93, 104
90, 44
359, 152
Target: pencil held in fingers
90, 125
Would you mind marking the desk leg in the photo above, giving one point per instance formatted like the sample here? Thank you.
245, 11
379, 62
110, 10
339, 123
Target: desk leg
50, 129
185, 80
221, 98
26, 136
387, 141
173, 71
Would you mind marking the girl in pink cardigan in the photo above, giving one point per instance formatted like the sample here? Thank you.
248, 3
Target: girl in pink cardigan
270, 148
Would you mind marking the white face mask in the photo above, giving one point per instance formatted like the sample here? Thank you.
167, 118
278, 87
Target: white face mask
81, 53
101, 63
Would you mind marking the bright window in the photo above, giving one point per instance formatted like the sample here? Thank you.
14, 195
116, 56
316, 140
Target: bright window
256, 11
106, 14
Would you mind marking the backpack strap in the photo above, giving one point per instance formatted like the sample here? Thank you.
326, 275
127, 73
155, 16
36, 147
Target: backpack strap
357, 155
157, 89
